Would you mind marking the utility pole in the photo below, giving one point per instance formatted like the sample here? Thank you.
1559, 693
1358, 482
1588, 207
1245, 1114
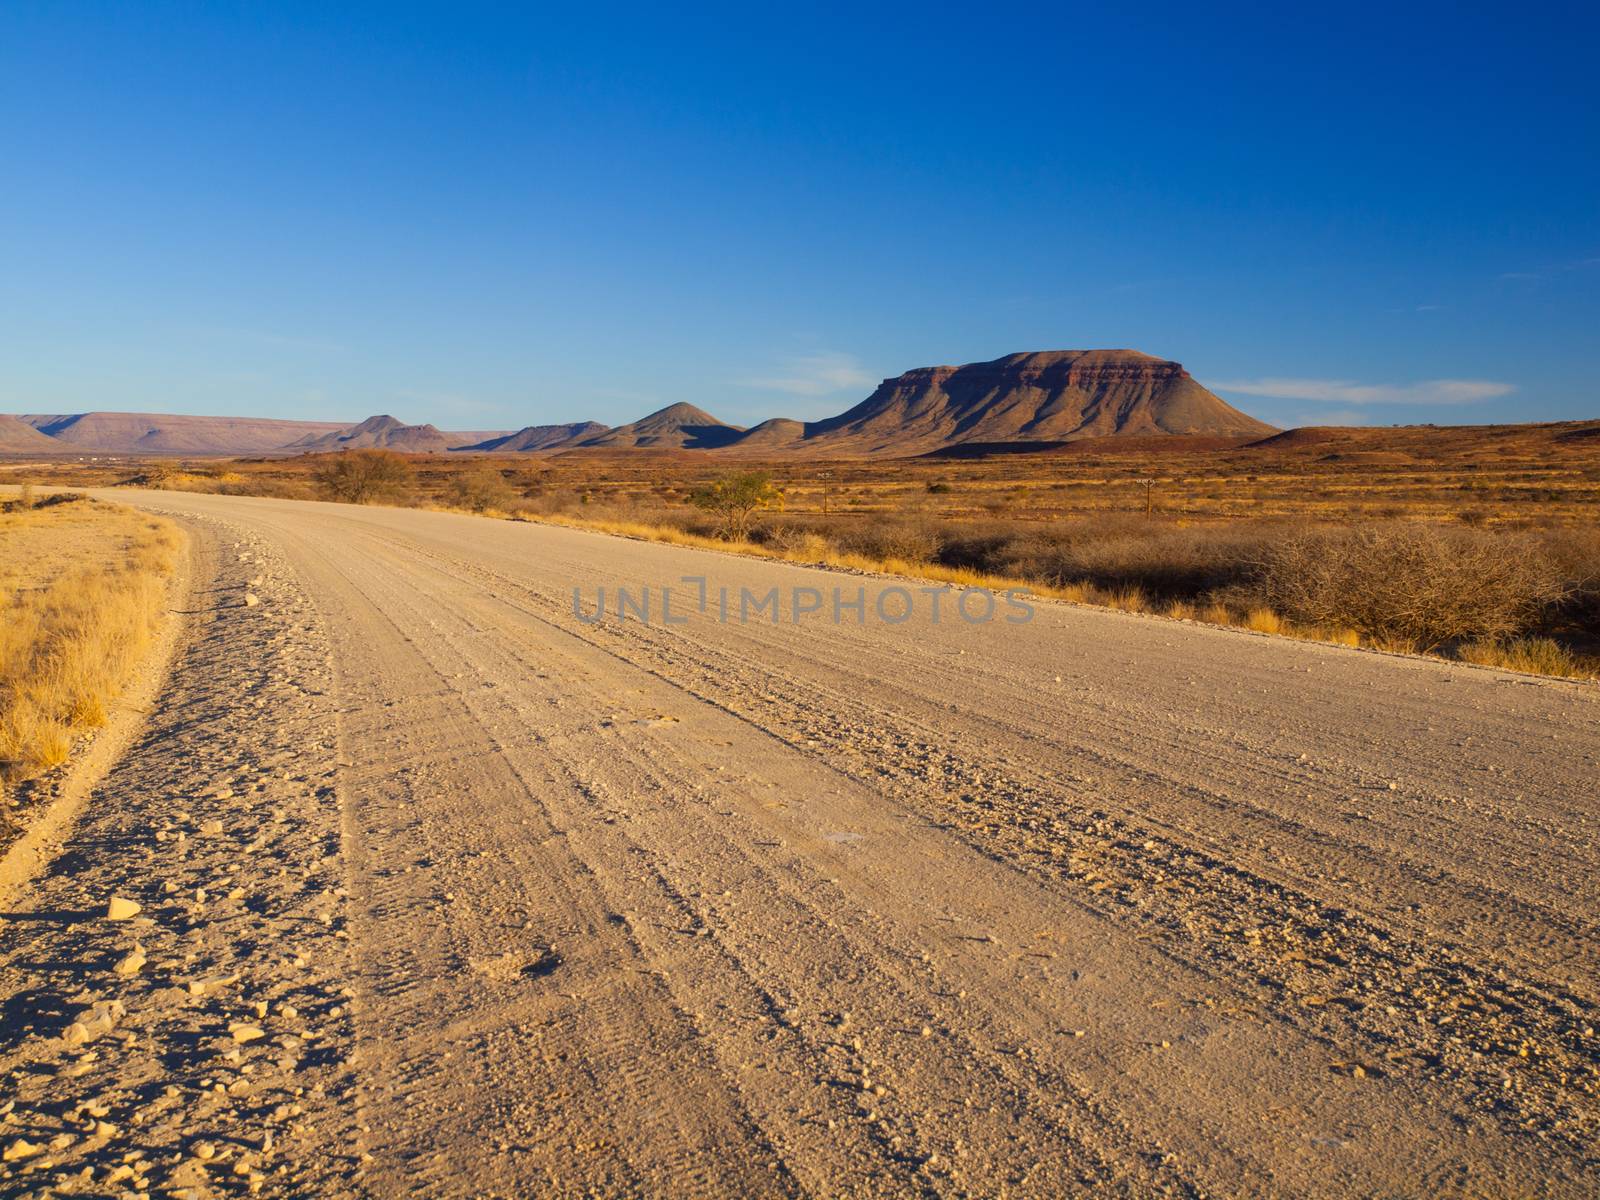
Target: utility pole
827, 487
1149, 497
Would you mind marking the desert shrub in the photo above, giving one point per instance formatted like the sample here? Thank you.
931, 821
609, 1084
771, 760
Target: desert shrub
1411, 584
908, 540
549, 501
794, 537
363, 476
1167, 562
479, 489
1576, 555
1160, 559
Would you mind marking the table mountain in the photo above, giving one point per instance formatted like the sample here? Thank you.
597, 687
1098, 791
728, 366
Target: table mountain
1044, 396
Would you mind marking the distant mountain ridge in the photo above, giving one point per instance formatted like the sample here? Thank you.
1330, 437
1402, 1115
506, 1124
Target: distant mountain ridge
173, 433
1021, 400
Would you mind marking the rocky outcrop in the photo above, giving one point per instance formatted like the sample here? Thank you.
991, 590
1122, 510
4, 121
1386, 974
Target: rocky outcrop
379, 433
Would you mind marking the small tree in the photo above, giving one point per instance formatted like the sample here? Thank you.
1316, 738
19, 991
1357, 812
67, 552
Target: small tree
734, 499
362, 476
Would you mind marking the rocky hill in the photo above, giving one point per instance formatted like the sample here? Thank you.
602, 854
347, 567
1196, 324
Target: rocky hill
379, 433
676, 427
778, 434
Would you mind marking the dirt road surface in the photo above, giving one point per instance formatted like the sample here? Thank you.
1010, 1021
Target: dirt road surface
1092, 904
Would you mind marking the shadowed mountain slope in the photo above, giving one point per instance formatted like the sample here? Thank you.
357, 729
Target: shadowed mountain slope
539, 437
18, 437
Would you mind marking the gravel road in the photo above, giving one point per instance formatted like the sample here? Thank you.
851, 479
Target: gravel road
1090, 903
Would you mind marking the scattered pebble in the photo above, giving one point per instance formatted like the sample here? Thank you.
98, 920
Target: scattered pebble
120, 909
131, 962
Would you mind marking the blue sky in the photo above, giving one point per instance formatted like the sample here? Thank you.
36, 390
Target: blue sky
492, 216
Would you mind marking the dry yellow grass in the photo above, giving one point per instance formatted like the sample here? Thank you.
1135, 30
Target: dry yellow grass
83, 589
1536, 656
1263, 620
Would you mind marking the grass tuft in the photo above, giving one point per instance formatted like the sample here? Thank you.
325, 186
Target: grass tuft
1263, 620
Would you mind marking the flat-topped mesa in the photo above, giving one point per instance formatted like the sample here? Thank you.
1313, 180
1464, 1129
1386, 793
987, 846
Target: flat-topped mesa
1075, 366
1051, 395
172, 433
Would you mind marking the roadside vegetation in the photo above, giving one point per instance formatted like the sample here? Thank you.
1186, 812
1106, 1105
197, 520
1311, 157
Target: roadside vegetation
1472, 545
364, 476
1523, 600
735, 500
83, 590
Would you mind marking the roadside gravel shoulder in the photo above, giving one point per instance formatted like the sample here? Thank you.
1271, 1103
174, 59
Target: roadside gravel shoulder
202, 1046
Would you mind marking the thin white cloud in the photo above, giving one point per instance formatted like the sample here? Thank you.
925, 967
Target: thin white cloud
1332, 416
1576, 264
814, 375
1347, 392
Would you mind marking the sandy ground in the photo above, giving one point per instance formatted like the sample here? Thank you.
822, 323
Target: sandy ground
1096, 904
